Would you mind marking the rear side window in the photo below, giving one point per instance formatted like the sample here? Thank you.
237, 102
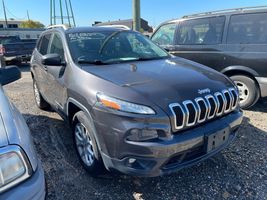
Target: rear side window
248, 29
165, 35
57, 46
43, 47
201, 31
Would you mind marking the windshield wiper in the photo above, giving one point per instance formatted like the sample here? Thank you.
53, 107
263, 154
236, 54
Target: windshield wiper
94, 62
152, 58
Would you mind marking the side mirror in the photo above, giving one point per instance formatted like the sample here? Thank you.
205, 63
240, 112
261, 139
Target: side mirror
9, 74
52, 60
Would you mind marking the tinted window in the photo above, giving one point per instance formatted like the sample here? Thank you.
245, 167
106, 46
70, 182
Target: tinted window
201, 31
57, 46
44, 44
165, 35
247, 29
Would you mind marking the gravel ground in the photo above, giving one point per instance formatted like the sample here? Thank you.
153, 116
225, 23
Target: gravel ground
239, 172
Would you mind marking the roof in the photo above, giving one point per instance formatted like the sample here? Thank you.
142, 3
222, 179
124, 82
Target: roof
220, 12
91, 29
117, 22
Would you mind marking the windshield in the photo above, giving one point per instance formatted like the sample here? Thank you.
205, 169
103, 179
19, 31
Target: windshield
112, 47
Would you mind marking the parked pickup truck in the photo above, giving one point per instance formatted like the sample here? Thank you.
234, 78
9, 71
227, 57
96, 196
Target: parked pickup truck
15, 50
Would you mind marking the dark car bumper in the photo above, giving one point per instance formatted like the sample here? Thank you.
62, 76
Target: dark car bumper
31, 189
161, 157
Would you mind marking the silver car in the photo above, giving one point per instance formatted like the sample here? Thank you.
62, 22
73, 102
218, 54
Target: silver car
21, 174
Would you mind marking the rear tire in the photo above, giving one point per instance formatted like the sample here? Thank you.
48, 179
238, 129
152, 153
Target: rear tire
85, 144
39, 100
248, 90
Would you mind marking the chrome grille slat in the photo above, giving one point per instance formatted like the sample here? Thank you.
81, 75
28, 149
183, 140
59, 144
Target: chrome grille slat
217, 97
209, 98
186, 103
198, 100
235, 102
203, 108
172, 106
227, 108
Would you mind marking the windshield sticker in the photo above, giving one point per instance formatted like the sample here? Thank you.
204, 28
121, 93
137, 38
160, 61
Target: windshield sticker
85, 36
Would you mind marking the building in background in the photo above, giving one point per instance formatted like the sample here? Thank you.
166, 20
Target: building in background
128, 22
12, 29
11, 23
23, 33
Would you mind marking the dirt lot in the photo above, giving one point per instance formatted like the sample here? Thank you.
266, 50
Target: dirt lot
239, 172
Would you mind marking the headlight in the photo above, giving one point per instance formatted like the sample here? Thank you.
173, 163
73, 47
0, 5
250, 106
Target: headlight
124, 106
14, 167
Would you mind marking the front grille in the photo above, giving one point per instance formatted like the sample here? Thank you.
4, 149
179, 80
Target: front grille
190, 113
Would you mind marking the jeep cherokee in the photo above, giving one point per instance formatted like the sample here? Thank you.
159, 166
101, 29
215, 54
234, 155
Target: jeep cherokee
133, 107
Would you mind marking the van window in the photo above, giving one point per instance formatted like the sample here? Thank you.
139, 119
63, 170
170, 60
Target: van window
57, 46
44, 44
248, 29
164, 35
201, 31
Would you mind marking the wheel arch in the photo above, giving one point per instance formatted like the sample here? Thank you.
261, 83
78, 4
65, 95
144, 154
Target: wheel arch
241, 70
74, 106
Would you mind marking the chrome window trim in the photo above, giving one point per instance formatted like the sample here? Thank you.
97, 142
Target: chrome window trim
185, 103
197, 100
207, 97
171, 106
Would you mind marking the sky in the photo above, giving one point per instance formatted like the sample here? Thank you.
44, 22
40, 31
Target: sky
88, 11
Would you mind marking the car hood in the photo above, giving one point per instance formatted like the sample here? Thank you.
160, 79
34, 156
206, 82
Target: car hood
163, 81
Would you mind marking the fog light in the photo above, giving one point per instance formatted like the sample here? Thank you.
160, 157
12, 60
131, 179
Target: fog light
142, 134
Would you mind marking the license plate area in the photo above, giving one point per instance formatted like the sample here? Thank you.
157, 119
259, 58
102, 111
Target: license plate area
217, 139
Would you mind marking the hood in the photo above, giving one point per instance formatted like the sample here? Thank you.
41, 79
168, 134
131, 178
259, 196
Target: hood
3, 135
164, 81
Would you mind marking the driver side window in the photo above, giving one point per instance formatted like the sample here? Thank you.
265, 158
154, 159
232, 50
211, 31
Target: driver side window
165, 34
57, 47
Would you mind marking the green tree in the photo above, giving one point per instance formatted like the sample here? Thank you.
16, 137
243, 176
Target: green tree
31, 24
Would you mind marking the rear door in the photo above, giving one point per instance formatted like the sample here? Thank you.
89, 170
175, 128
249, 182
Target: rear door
246, 43
40, 70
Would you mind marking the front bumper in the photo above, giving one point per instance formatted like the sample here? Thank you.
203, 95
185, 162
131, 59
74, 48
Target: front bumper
31, 189
159, 157
263, 85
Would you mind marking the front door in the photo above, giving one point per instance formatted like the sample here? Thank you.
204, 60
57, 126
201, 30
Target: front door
55, 74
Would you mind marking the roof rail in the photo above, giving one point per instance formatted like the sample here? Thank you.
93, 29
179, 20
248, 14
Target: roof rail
116, 26
225, 10
65, 27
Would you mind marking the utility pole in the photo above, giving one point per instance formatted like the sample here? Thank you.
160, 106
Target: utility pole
136, 15
28, 15
4, 8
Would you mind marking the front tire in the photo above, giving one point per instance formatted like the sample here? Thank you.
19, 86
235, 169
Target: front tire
39, 100
248, 90
85, 144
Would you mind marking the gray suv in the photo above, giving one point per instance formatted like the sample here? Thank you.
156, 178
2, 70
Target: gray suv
21, 173
133, 107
